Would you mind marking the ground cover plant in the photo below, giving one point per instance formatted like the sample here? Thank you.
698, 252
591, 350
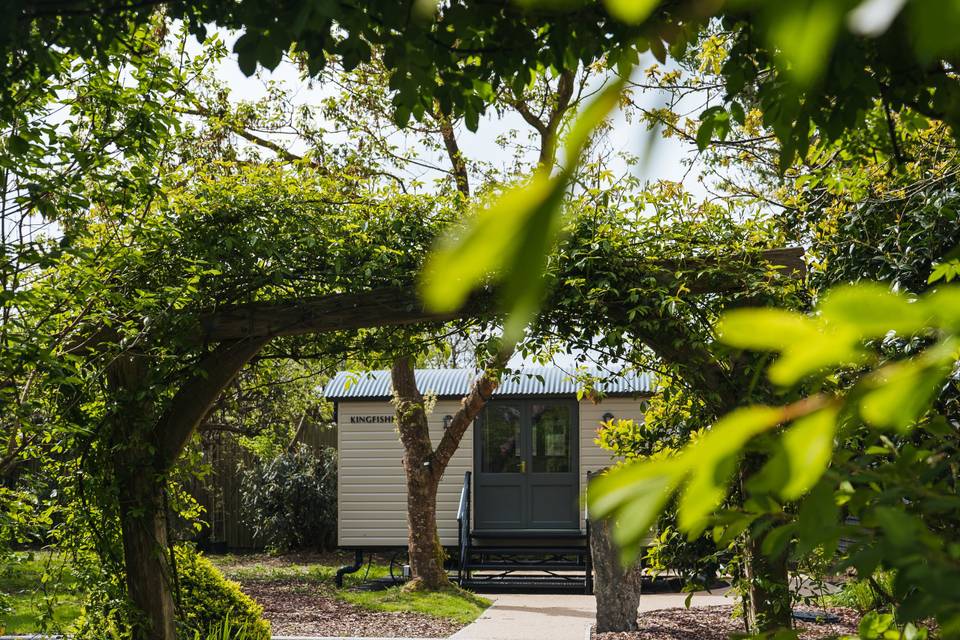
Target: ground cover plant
39, 592
271, 580
299, 597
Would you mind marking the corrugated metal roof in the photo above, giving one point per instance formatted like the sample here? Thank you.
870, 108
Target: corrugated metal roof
445, 383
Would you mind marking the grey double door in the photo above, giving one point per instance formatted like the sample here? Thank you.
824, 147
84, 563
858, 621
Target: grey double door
526, 466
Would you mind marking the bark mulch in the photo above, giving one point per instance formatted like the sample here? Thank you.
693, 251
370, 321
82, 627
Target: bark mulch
303, 608
718, 623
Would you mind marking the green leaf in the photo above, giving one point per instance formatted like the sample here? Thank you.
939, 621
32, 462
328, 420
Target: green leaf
737, 113
704, 493
510, 239
705, 134
900, 393
269, 54
401, 115
817, 522
944, 271
712, 460
634, 495
807, 450
776, 541
246, 49
765, 329
874, 310
944, 306
874, 625
801, 457
589, 119
471, 117
819, 354
803, 33
631, 11
17, 145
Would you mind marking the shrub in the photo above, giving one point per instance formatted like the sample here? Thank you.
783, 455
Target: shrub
870, 594
291, 501
207, 602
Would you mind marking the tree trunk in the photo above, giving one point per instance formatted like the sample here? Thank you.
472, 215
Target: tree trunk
145, 456
424, 466
145, 553
616, 588
766, 601
423, 477
423, 542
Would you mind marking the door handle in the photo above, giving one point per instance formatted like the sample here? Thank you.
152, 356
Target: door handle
523, 466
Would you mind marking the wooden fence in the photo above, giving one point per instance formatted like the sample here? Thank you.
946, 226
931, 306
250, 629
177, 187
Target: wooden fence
219, 492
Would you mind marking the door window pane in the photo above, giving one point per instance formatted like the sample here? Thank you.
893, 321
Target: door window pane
501, 439
552, 435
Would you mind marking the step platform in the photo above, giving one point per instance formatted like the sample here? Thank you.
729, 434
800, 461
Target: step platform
537, 562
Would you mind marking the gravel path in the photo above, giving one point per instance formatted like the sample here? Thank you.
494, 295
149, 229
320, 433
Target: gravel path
717, 623
302, 608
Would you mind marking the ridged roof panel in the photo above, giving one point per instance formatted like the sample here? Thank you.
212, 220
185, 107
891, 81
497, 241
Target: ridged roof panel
445, 383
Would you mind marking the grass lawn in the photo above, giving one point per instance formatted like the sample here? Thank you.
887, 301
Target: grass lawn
452, 604
29, 601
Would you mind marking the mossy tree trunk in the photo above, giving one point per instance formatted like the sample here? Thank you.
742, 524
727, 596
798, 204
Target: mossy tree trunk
146, 556
617, 588
766, 598
146, 442
424, 466
766, 603
423, 477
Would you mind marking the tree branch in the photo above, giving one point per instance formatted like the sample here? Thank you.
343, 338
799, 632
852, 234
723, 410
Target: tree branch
457, 161
470, 407
197, 395
281, 152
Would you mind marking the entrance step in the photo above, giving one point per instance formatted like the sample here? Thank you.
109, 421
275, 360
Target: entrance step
533, 565
526, 584
552, 534
555, 567
529, 550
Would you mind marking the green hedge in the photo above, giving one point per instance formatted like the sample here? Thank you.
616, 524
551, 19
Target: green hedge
206, 601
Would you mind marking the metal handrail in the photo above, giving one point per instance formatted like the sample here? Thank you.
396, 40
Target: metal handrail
463, 527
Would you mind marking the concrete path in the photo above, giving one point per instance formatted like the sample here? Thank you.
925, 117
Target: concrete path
558, 617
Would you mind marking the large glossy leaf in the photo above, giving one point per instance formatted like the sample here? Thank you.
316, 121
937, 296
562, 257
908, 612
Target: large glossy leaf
765, 329
712, 461
803, 454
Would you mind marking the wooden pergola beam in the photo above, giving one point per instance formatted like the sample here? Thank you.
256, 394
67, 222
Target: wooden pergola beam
387, 307
400, 306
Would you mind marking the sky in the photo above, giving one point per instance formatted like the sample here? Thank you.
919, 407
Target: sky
664, 159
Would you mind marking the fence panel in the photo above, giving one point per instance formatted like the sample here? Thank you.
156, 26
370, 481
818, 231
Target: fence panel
219, 492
